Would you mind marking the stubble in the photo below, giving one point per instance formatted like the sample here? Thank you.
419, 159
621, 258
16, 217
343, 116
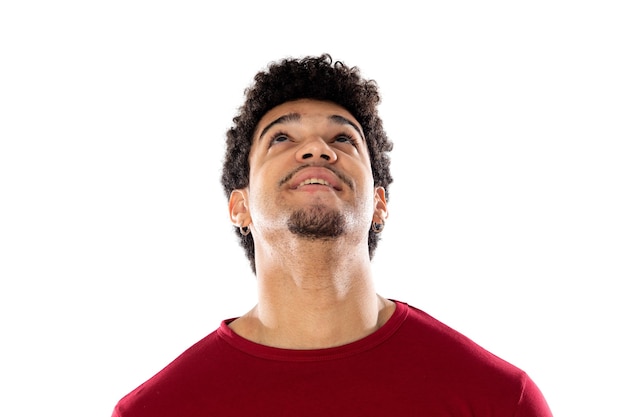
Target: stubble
317, 222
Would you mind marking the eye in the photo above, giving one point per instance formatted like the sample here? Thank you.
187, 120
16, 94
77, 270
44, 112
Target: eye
345, 138
278, 137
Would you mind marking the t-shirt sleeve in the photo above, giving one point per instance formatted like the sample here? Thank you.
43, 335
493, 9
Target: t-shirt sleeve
532, 403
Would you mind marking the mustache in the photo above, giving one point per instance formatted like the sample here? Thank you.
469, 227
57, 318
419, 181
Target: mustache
342, 177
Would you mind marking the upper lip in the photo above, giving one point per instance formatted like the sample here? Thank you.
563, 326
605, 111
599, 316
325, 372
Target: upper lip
297, 178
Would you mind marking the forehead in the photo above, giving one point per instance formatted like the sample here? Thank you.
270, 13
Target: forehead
306, 109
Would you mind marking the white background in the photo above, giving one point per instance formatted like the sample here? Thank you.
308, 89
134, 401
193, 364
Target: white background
507, 210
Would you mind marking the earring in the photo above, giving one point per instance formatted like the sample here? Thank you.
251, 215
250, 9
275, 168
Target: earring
378, 227
244, 230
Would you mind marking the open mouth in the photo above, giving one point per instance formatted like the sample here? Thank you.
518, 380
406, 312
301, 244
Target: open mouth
314, 181
315, 178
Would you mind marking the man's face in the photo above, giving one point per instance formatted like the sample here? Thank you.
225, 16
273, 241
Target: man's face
310, 171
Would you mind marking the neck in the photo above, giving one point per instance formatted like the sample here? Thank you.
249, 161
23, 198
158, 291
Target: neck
321, 300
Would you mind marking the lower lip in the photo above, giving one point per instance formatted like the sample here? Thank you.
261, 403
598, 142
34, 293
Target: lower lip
314, 187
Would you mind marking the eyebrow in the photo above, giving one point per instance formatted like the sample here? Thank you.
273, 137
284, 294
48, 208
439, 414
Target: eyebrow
287, 118
295, 117
343, 121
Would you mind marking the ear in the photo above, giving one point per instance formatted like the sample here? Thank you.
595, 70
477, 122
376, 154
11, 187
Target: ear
238, 208
380, 205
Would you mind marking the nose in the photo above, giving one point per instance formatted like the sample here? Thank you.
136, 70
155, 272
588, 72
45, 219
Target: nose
314, 149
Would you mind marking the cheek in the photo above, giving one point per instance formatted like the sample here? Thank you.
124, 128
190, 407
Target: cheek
257, 172
262, 186
261, 176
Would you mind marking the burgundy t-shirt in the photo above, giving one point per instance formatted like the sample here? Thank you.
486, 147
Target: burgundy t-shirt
412, 366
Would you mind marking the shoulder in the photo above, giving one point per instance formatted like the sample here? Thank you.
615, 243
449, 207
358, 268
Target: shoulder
463, 369
154, 397
448, 350
429, 332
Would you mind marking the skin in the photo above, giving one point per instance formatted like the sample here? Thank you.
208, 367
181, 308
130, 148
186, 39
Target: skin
313, 292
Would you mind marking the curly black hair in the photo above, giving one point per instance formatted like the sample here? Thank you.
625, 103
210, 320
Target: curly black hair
312, 77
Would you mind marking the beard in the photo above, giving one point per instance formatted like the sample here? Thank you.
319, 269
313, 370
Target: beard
317, 222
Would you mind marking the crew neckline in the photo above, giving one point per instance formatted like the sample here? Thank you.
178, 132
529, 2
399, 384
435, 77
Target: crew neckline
307, 355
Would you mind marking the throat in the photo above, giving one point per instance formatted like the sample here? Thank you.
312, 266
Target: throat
308, 328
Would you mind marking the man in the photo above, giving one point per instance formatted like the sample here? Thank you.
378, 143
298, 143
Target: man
307, 175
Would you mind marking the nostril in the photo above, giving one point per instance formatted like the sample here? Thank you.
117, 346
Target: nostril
326, 157
307, 155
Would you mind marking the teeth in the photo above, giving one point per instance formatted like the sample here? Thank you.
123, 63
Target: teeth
314, 181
